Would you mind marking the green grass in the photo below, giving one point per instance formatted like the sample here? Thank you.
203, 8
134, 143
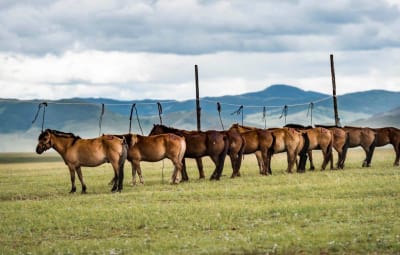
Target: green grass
354, 211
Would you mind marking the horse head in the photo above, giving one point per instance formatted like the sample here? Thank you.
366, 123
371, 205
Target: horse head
44, 141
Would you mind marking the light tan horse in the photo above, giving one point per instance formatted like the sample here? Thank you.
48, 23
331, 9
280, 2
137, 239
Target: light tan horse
77, 152
155, 148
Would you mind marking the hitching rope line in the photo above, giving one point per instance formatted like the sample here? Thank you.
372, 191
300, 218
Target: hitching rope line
162, 102
271, 106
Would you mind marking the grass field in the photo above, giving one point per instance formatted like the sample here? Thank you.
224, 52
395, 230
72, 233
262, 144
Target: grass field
351, 211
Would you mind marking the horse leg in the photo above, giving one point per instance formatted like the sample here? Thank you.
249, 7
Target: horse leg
184, 174
134, 173
199, 163
310, 158
215, 175
177, 174
233, 158
260, 162
136, 168
327, 158
119, 176
397, 150
80, 176
72, 174
291, 158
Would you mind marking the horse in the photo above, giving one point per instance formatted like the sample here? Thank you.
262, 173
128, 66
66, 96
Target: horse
77, 152
364, 137
242, 129
320, 139
235, 150
388, 135
292, 142
155, 148
210, 143
283, 140
256, 141
341, 141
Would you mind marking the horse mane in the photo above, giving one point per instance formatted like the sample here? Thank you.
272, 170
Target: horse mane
297, 126
243, 126
61, 134
168, 129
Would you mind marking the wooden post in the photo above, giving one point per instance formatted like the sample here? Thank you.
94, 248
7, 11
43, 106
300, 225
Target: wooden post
335, 107
198, 109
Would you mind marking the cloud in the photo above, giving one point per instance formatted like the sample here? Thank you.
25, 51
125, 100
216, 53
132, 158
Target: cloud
133, 76
196, 27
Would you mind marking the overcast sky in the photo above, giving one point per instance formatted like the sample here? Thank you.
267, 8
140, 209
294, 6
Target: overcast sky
51, 49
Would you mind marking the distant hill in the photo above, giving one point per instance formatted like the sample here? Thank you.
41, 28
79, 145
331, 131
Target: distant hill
81, 115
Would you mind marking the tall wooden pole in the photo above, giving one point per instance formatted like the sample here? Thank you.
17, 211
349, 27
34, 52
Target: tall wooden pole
335, 107
198, 109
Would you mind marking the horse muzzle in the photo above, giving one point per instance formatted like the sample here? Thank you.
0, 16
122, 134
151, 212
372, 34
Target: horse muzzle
40, 149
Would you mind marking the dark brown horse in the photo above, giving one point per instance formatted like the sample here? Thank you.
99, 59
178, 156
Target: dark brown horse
388, 135
199, 144
77, 152
364, 137
155, 148
320, 139
341, 142
256, 141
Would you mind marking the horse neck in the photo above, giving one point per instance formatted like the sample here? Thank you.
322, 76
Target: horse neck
61, 144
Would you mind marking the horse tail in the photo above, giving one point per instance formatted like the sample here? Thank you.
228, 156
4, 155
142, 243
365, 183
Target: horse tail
270, 153
303, 152
222, 156
183, 149
371, 149
121, 162
240, 156
344, 151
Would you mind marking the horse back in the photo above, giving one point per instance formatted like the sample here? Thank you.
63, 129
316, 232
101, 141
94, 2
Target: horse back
156, 147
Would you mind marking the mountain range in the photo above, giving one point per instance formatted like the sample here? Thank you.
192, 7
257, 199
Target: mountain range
81, 115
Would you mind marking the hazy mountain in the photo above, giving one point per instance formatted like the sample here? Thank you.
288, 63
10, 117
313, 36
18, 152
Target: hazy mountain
81, 115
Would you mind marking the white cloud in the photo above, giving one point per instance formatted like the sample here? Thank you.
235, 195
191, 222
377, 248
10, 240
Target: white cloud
168, 76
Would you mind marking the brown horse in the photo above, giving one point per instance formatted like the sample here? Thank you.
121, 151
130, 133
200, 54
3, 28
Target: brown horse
282, 140
293, 143
320, 139
388, 135
153, 149
341, 141
242, 129
77, 152
364, 137
210, 143
256, 141
235, 151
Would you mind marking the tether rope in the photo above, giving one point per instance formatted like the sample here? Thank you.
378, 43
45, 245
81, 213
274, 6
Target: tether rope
44, 105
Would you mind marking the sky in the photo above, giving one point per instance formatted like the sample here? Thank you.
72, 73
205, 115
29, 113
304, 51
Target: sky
128, 50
